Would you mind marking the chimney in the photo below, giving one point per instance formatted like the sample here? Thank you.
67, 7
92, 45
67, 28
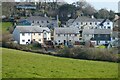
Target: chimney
92, 17
57, 21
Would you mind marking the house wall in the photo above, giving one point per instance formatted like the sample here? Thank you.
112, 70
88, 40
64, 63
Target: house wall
25, 37
47, 35
37, 37
66, 37
43, 23
16, 35
89, 25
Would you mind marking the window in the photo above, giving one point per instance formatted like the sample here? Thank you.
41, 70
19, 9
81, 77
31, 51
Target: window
23, 40
58, 34
90, 23
42, 21
58, 40
39, 33
81, 23
39, 39
34, 33
108, 27
32, 21
69, 34
104, 27
86, 23
80, 38
33, 39
77, 24
108, 23
75, 34
37, 21
95, 23
23, 34
44, 33
64, 34
47, 21
28, 39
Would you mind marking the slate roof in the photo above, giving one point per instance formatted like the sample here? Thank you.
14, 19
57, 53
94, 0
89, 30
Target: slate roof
102, 31
32, 29
38, 18
86, 19
66, 30
97, 31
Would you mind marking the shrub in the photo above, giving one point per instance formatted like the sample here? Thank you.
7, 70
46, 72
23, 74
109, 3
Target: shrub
89, 54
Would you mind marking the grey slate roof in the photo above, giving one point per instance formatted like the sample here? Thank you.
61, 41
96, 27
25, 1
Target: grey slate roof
86, 19
88, 31
66, 30
32, 29
97, 31
38, 18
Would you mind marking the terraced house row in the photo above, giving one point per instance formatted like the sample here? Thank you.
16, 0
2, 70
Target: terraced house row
28, 34
81, 29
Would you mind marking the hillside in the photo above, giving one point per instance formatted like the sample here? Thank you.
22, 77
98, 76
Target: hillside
19, 64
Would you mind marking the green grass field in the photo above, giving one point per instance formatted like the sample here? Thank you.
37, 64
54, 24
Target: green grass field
5, 26
20, 64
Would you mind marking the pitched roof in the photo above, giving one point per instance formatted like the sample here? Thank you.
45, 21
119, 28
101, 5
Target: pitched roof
102, 31
97, 31
32, 29
87, 19
38, 18
66, 30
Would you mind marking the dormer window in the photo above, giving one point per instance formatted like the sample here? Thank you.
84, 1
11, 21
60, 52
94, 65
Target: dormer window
108, 23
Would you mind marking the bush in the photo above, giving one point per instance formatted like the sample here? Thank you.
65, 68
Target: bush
89, 54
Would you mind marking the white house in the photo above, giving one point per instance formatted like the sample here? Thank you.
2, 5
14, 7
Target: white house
90, 23
27, 34
65, 35
96, 30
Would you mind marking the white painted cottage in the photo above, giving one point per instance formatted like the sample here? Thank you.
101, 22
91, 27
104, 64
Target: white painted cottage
27, 34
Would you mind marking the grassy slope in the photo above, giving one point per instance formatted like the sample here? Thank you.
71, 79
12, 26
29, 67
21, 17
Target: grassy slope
19, 64
5, 26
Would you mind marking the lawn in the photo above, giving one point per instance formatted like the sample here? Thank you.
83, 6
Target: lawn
20, 64
5, 26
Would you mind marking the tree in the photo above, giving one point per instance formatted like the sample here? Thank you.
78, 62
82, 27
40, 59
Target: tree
66, 11
103, 13
112, 15
89, 10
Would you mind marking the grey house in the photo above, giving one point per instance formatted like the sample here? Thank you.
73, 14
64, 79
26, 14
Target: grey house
42, 21
66, 35
97, 36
